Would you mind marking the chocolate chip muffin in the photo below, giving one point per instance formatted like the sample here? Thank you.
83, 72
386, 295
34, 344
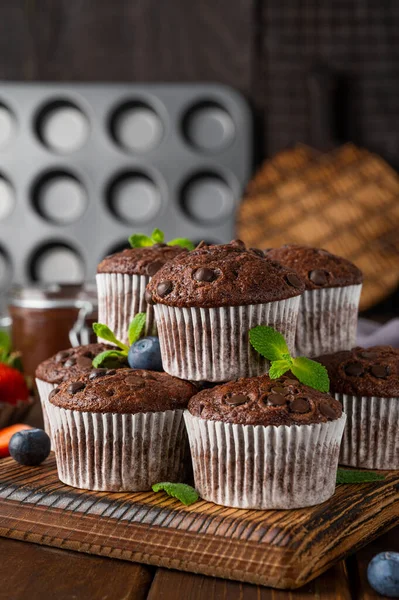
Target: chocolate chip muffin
366, 381
277, 443
121, 281
206, 301
66, 364
120, 430
327, 319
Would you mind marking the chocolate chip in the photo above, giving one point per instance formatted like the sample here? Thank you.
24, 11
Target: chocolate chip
237, 400
97, 373
89, 354
53, 393
110, 372
237, 243
164, 288
277, 399
293, 280
318, 277
148, 297
134, 382
159, 245
291, 382
75, 387
109, 392
380, 371
258, 251
280, 390
369, 355
300, 405
71, 362
327, 410
83, 362
153, 267
354, 369
204, 274
60, 356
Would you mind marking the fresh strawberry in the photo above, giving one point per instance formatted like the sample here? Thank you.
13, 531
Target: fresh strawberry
6, 434
13, 386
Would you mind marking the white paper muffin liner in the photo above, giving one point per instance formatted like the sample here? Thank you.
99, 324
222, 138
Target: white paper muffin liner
371, 436
120, 298
245, 466
44, 388
118, 452
212, 344
10, 414
327, 320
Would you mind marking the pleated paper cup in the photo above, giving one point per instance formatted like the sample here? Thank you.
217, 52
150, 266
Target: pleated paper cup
212, 344
120, 298
118, 452
14, 413
371, 436
327, 320
45, 388
245, 466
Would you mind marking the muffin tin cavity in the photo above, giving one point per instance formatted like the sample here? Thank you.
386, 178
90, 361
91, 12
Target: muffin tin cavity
8, 126
7, 198
63, 127
134, 197
59, 197
207, 198
136, 127
57, 262
208, 127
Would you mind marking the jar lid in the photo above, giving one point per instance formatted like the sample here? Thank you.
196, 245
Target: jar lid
54, 295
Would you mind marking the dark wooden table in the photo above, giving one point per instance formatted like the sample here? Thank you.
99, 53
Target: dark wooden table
33, 572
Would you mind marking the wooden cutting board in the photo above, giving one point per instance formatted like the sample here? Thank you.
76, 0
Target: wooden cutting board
283, 549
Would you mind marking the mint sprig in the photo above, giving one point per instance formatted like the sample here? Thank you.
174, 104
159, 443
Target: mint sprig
353, 476
7, 356
182, 491
271, 344
140, 240
115, 358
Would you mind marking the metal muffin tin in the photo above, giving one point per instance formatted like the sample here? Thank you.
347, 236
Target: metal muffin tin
82, 166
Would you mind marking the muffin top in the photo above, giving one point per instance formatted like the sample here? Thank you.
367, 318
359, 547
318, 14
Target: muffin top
123, 391
265, 401
69, 364
317, 267
222, 275
364, 371
140, 261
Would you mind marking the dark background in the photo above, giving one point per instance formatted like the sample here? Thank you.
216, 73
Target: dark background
263, 48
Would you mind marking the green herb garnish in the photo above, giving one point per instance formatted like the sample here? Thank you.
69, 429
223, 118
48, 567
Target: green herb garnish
140, 240
183, 492
12, 359
114, 358
272, 345
353, 476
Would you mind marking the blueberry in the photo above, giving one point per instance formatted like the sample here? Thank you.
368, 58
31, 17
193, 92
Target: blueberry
145, 354
383, 574
30, 447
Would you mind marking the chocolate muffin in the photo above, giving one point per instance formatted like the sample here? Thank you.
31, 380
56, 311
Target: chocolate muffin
206, 301
366, 381
120, 430
264, 444
121, 281
327, 319
66, 364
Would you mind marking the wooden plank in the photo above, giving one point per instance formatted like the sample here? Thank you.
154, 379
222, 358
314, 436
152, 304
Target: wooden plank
38, 572
283, 549
171, 585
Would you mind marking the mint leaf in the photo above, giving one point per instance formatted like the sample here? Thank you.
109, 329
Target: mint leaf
104, 332
136, 327
311, 373
183, 242
139, 240
352, 476
279, 367
110, 359
268, 342
183, 492
5, 342
157, 236
14, 360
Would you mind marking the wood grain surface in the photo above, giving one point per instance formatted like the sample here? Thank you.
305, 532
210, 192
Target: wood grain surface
283, 549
